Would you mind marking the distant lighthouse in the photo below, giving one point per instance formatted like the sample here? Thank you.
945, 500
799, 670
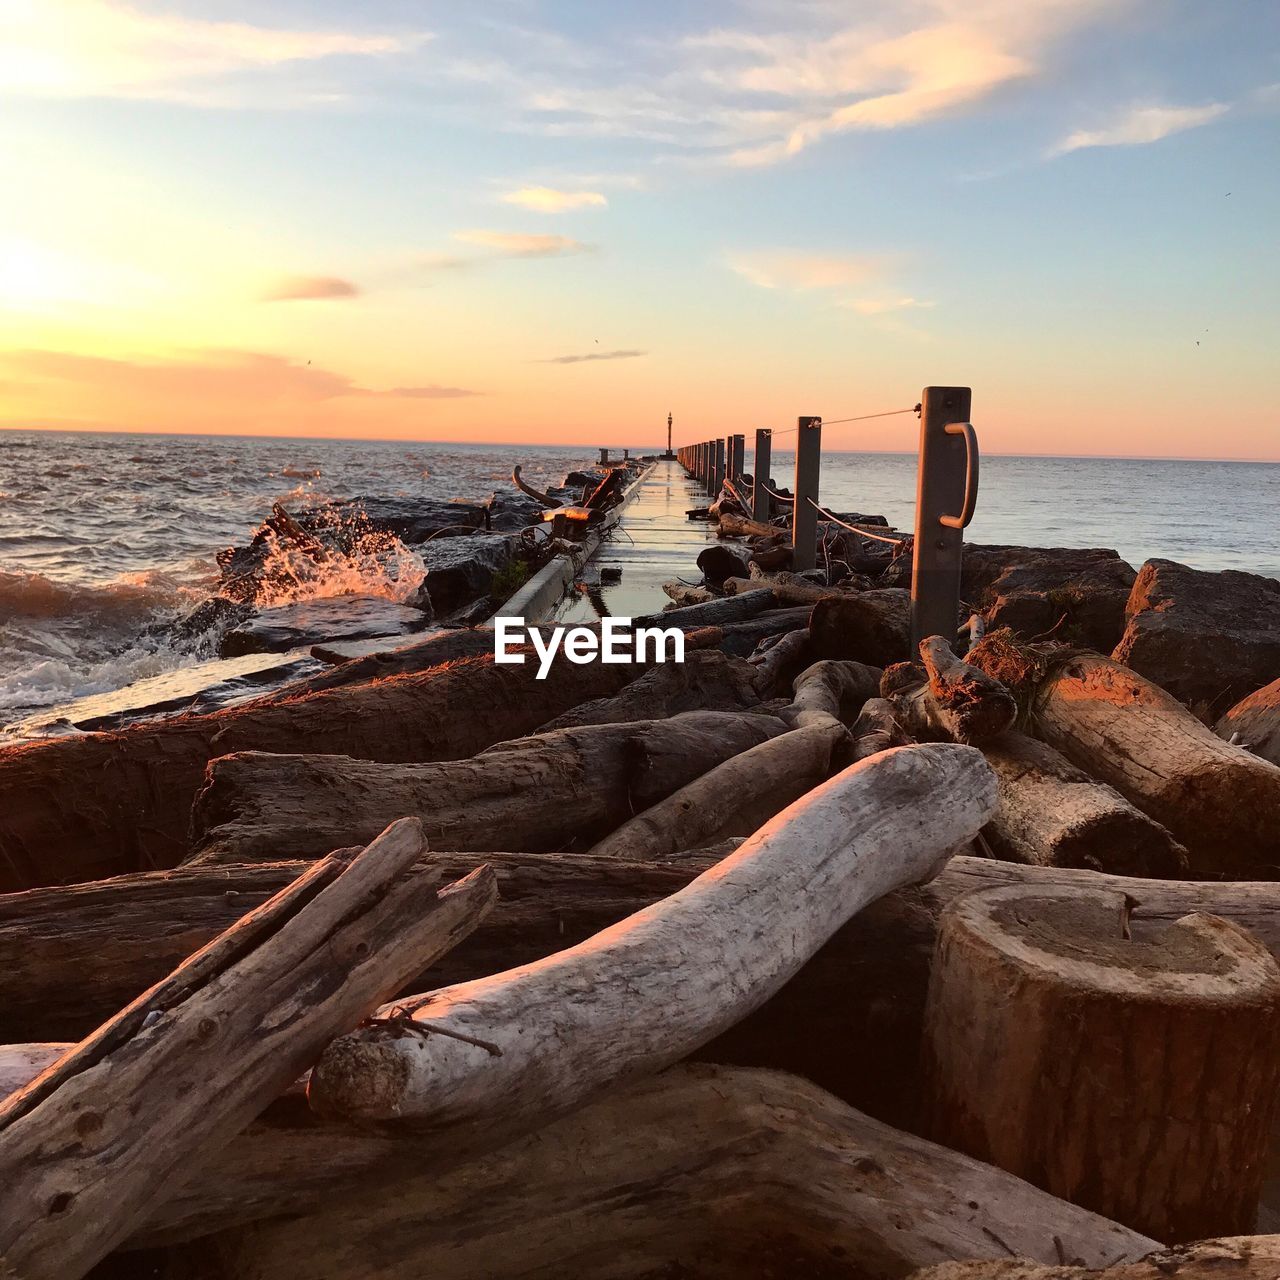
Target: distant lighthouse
668, 453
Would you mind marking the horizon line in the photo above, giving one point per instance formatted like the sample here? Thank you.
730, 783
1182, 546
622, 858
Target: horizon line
639, 449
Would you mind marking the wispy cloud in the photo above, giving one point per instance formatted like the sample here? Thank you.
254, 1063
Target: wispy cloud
310, 288
1141, 125
549, 200
100, 48
788, 269
206, 375
883, 306
520, 244
594, 355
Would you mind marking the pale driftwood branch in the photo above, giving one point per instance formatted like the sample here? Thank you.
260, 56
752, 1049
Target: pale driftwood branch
536, 495
876, 729
88, 1145
788, 651
831, 690
708, 1171
658, 985
732, 799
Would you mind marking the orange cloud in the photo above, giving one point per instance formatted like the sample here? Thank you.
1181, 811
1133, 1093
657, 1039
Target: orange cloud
517, 244
310, 288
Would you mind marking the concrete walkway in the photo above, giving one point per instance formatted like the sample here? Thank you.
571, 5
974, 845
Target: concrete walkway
654, 542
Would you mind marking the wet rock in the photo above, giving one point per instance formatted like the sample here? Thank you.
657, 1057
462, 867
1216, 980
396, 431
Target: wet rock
209, 618
412, 520
308, 622
719, 562
1207, 637
461, 569
509, 510
203, 687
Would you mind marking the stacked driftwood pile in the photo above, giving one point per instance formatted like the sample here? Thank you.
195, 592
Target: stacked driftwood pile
433, 968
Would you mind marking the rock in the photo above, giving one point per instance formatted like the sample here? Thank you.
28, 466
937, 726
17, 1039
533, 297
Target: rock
204, 687
509, 510
1254, 722
461, 569
719, 562
309, 622
1208, 638
412, 520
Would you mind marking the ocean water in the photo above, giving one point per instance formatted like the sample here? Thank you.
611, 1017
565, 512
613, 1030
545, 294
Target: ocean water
103, 535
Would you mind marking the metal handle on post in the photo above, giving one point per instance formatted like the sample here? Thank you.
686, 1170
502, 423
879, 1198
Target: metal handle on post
970, 502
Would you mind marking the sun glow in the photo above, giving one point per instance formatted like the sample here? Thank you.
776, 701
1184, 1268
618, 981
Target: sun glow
33, 277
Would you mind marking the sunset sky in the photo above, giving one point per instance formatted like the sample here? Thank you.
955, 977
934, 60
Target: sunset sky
554, 222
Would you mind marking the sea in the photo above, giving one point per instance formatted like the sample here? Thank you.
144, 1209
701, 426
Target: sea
103, 536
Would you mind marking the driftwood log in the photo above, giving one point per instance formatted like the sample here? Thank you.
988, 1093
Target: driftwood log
1254, 723
713, 613
742, 638
93, 1141
735, 526
73, 955
682, 594
1055, 815
733, 799
871, 626
877, 729
21, 1063
103, 804
1218, 800
831, 690
1234, 1258
700, 1171
535, 793
1133, 1072
956, 702
540, 1039
778, 665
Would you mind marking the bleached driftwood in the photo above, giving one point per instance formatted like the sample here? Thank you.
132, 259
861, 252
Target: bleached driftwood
533, 793
1131, 1071
784, 655
1053, 814
831, 690
21, 1063
204, 1051
542, 1038
1218, 800
705, 1171
877, 729
732, 799
713, 613
526, 488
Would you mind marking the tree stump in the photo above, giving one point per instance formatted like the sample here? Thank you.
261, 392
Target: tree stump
1129, 1068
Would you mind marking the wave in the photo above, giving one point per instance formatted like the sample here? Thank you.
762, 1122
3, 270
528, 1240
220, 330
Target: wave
133, 596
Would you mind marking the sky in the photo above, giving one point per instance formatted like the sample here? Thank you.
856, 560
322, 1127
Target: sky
551, 221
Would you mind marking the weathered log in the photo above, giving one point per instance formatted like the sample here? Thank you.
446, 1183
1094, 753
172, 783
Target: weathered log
781, 662
956, 702
1217, 799
733, 525
536, 793
742, 638
870, 626
1133, 1073
91, 1143
712, 614
1055, 815
718, 562
654, 988
1234, 1258
1254, 723
707, 680
91, 806
700, 1171
733, 799
831, 691
784, 590
683, 594
71, 956
877, 729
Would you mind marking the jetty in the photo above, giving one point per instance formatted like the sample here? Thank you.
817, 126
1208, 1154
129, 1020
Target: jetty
923, 920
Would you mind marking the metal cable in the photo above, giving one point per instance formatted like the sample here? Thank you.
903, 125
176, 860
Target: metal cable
862, 417
853, 528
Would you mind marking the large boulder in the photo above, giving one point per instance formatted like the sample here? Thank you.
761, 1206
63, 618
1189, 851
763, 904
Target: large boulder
1254, 722
461, 568
1207, 637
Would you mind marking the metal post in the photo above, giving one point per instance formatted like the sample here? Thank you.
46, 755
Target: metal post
717, 469
946, 494
738, 457
760, 470
604, 456
804, 519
